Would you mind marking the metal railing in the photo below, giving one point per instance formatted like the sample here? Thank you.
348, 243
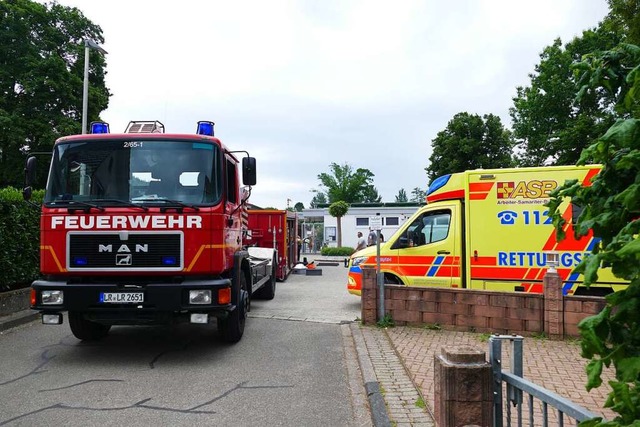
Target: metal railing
516, 386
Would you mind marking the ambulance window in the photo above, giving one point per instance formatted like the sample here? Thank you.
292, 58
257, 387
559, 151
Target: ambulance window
436, 227
428, 228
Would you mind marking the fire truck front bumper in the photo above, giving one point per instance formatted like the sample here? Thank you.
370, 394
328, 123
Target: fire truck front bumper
194, 301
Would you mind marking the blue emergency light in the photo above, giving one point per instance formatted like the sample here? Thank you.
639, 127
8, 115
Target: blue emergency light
80, 261
438, 183
99, 127
169, 260
205, 128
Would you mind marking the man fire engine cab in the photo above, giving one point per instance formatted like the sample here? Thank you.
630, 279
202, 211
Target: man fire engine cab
145, 227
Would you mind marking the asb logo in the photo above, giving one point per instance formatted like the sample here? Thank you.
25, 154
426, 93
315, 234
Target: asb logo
534, 189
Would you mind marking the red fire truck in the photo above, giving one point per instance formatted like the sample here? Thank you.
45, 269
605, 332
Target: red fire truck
276, 229
146, 227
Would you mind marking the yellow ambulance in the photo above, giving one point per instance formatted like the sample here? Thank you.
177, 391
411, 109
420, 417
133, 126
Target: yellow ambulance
487, 229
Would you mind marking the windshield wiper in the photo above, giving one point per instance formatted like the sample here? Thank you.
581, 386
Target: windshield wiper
85, 205
177, 203
123, 202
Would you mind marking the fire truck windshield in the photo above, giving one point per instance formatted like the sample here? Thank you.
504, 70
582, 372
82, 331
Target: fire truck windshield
138, 171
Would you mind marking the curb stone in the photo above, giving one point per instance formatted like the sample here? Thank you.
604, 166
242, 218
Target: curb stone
377, 404
18, 318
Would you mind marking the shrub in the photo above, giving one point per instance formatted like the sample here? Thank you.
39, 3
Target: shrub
19, 238
341, 251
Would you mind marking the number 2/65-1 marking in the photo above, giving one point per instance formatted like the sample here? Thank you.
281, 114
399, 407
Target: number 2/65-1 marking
133, 144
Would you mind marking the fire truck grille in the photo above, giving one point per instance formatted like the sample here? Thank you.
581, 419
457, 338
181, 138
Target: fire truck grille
124, 251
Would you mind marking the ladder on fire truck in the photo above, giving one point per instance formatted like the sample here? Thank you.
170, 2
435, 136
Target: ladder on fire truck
145, 126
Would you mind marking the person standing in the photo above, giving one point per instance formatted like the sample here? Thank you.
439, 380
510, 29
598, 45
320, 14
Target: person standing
371, 240
361, 243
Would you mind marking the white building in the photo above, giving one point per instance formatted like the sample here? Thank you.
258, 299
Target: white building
357, 219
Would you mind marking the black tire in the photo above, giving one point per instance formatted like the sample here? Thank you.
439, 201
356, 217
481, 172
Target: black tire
86, 330
231, 328
268, 291
391, 279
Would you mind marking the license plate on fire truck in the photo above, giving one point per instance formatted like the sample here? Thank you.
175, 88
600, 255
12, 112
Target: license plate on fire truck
121, 297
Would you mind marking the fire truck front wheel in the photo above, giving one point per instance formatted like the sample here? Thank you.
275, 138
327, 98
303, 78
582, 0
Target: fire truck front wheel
86, 330
231, 328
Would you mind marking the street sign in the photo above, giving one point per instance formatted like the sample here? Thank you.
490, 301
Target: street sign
375, 222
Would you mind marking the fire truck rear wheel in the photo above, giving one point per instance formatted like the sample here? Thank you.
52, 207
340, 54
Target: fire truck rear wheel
268, 291
86, 330
232, 328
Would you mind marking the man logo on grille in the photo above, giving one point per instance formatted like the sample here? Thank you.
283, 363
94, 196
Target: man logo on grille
124, 259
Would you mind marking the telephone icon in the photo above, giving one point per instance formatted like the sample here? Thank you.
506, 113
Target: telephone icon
507, 217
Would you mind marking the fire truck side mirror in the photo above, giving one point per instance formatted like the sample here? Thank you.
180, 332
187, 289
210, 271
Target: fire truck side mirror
29, 177
249, 170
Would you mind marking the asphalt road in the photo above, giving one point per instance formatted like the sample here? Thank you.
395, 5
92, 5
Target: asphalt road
289, 369
312, 298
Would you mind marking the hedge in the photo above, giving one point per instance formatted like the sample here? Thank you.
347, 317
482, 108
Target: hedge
19, 238
341, 251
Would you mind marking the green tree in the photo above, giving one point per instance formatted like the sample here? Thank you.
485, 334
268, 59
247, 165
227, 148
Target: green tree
338, 210
298, 207
549, 124
401, 196
418, 195
370, 195
624, 17
41, 79
611, 208
470, 142
351, 186
318, 199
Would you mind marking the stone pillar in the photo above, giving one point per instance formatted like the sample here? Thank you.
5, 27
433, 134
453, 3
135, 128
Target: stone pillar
369, 302
463, 388
553, 305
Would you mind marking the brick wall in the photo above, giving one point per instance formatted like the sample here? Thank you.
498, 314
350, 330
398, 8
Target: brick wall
481, 311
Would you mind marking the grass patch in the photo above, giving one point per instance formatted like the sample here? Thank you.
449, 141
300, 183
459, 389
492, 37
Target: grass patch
433, 326
386, 322
484, 337
539, 335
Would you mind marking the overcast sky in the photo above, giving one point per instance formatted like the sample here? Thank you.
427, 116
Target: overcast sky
302, 84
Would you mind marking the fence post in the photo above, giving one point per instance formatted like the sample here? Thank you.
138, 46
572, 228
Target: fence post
553, 305
463, 387
495, 358
369, 302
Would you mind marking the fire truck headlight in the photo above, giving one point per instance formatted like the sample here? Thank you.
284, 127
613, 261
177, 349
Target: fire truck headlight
199, 296
52, 297
358, 260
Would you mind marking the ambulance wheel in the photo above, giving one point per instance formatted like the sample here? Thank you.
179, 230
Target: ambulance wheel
231, 328
268, 291
86, 330
391, 279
